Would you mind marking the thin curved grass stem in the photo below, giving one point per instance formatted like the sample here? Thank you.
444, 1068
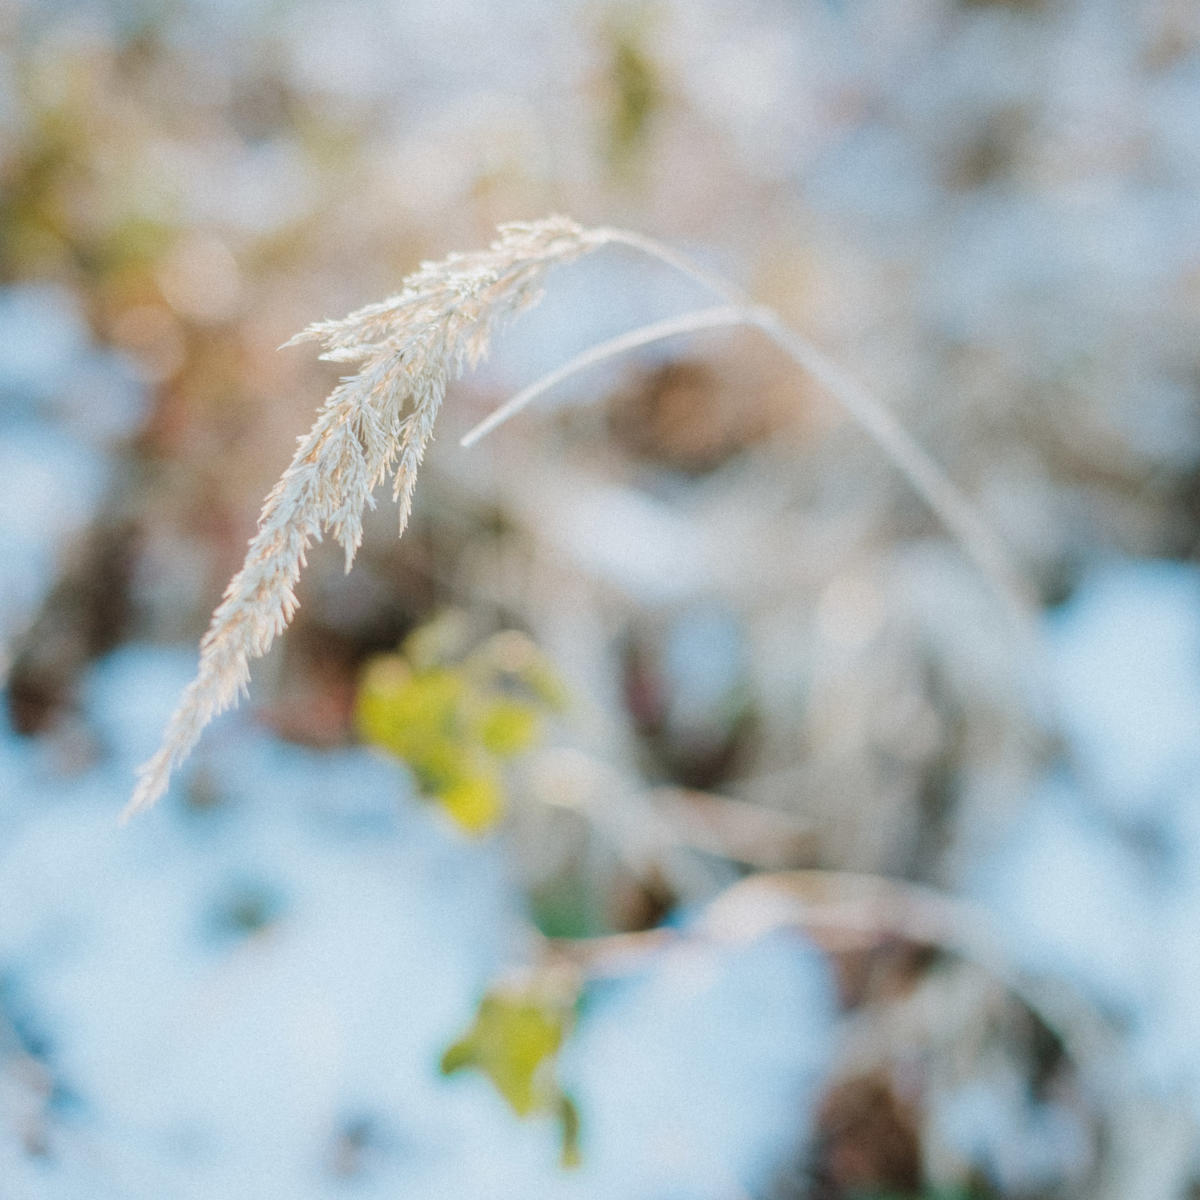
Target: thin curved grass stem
717, 284
871, 908
644, 335
952, 506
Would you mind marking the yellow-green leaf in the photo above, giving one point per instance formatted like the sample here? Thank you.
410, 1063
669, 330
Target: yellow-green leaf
508, 727
455, 720
513, 1040
475, 802
406, 713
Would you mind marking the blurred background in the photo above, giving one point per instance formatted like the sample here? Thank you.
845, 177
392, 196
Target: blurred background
780, 870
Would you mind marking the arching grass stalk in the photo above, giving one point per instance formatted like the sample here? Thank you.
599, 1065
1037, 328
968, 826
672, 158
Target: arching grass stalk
951, 505
378, 421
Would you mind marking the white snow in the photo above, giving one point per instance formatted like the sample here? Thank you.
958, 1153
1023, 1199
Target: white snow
208, 1058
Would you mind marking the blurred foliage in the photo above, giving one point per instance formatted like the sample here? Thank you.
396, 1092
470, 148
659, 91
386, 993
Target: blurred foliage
634, 87
201, 180
569, 904
514, 1040
74, 197
456, 719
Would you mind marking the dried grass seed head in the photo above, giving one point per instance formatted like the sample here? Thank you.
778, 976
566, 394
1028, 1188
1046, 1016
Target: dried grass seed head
376, 421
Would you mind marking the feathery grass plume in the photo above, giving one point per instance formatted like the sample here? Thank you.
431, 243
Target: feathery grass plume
381, 419
376, 421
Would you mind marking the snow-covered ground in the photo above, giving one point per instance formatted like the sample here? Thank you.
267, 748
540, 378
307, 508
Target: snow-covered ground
224, 994
987, 210
1099, 880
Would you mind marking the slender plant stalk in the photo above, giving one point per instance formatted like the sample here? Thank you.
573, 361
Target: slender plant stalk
378, 422
645, 335
862, 910
947, 501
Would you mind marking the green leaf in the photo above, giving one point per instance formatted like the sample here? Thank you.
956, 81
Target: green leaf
568, 1116
513, 1037
508, 727
475, 802
458, 1057
514, 1040
455, 724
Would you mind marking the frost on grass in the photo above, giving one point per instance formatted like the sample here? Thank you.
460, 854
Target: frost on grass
380, 420
376, 422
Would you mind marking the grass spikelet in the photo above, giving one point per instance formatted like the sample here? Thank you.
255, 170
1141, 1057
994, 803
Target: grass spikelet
380, 420
376, 421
